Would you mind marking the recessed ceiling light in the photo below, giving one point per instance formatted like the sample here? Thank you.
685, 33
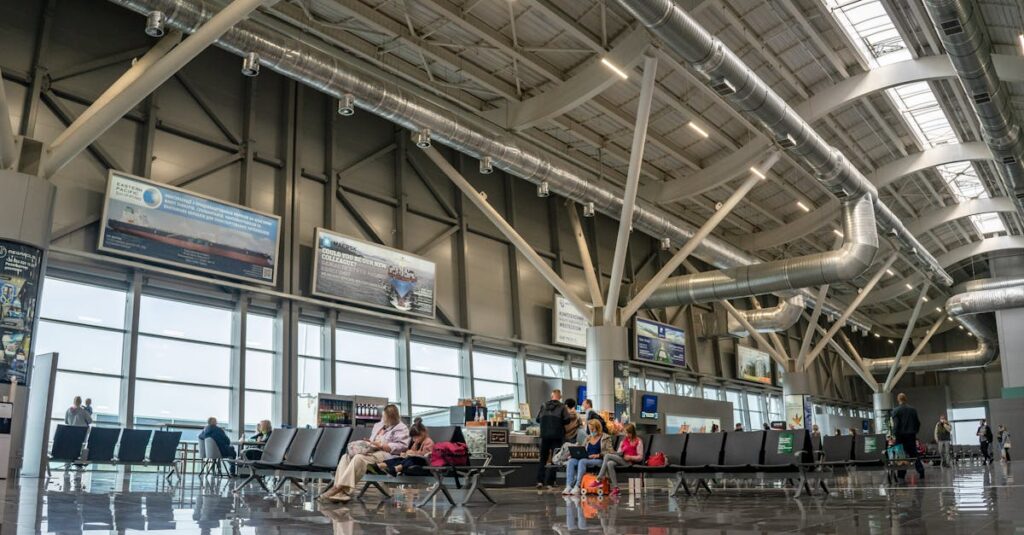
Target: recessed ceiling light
890, 341
803, 206
909, 287
693, 126
622, 74
938, 309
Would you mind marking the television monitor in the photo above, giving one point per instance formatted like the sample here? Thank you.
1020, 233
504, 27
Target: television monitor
753, 365
649, 406
659, 343
581, 394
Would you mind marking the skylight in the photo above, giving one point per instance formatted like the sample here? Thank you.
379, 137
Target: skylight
875, 37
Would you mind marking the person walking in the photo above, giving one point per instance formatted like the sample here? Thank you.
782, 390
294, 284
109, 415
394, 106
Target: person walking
77, 415
1004, 442
552, 417
985, 441
905, 426
944, 439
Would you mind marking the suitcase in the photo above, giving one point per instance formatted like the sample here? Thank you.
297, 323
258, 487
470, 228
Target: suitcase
601, 490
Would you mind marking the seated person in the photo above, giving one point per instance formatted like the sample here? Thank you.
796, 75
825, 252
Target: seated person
388, 438
221, 438
598, 444
416, 456
263, 430
631, 451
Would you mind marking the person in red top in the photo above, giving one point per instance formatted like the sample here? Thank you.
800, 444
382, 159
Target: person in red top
631, 451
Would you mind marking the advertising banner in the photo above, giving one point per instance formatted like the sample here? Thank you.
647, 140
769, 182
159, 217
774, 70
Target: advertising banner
570, 327
795, 412
785, 443
657, 342
152, 221
754, 365
373, 275
20, 267
679, 423
621, 373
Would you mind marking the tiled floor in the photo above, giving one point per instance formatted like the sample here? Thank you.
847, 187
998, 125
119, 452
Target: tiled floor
966, 500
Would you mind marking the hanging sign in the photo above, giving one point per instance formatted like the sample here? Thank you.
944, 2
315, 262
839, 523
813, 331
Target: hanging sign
569, 326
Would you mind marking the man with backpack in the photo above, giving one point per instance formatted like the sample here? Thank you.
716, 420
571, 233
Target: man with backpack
905, 425
552, 417
985, 440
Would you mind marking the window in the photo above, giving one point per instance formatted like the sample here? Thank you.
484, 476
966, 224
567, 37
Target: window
435, 378
733, 396
755, 411
711, 392
494, 377
660, 386
184, 363
261, 369
775, 409
366, 364
686, 389
311, 358
965, 424
85, 325
543, 368
579, 373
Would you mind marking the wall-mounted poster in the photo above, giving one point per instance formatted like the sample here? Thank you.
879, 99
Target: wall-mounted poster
753, 365
795, 417
368, 274
657, 342
569, 326
152, 221
19, 295
678, 423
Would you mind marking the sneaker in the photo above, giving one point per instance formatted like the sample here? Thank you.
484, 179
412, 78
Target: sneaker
540, 486
568, 490
594, 485
574, 491
615, 492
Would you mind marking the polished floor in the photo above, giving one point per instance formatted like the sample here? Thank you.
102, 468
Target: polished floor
964, 500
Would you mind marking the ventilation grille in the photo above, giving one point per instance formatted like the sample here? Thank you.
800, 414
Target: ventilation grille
1009, 160
951, 27
723, 87
982, 98
786, 142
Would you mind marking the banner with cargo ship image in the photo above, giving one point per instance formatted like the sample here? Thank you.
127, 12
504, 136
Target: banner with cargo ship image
368, 274
152, 221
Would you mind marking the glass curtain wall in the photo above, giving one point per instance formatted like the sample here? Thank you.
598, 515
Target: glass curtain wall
494, 377
261, 369
366, 364
311, 359
435, 378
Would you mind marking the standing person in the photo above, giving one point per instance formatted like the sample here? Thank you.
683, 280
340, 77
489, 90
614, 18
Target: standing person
714, 428
985, 441
1004, 442
816, 441
552, 417
389, 438
572, 428
738, 427
905, 425
76, 414
944, 439
88, 406
598, 444
591, 414
631, 451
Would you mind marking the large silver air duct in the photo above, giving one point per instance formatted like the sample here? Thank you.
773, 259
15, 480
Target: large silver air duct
328, 74
742, 89
961, 29
770, 320
980, 297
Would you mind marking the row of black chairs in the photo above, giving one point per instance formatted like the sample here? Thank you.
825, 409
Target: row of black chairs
788, 455
80, 446
293, 455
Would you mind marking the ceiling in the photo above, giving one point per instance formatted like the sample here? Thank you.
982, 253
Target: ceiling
491, 56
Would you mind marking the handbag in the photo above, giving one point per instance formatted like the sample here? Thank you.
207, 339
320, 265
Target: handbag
361, 447
561, 455
657, 459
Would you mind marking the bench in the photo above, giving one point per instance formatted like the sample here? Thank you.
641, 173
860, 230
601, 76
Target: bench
81, 446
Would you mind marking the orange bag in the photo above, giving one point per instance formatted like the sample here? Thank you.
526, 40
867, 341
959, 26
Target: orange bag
587, 485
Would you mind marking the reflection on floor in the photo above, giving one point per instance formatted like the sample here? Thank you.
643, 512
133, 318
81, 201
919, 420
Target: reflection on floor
965, 500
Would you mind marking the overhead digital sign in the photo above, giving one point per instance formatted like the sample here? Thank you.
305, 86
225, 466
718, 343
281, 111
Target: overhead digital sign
753, 365
660, 343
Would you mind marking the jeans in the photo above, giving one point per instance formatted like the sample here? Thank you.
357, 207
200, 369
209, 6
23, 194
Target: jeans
411, 466
986, 450
576, 468
910, 448
547, 447
944, 450
608, 468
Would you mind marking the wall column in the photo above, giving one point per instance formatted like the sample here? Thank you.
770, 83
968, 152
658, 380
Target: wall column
606, 345
796, 396
882, 403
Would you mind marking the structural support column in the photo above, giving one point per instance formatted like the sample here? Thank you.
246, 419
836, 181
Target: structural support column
882, 404
636, 160
606, 345
99, 118
796, 395
8, 149
889, 380
588, 264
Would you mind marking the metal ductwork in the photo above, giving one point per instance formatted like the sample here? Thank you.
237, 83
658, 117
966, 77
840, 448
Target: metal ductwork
742, 89
770, 320
980, 297
328, 74
860, 243
961, 28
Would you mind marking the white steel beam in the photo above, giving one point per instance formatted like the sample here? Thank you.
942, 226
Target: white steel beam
906, 337
8, 148
917, 350
812, 322
780, 359
588, 264
636, 160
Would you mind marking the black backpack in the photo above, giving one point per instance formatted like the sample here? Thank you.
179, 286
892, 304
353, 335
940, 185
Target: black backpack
988, 434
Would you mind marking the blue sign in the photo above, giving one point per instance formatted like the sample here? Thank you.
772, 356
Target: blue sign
160, 223
581, 394
649, 406
657, 342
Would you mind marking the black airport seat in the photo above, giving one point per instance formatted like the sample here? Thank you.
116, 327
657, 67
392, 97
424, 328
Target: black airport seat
447, 433
132, 448
702, 452
67, 443
101, 444
671, 445
276, 448
838, 450
786, 451
360, 433
869, 450
743, 450
300, 453
331, 447
164, 449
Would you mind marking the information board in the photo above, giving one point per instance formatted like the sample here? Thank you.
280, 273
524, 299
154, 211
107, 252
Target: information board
649, 406
660, 343
368, 274
569, 326
753, 365
20, 267
160, 223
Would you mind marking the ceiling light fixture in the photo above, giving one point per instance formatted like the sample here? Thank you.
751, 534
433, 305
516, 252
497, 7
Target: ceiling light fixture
909, 287
347, 105
877, 335
757, 172
155, 22
938, 309
925, 298
890, 272
1021, 37
622, 74
803, 206
693, 126
543, 190
486, 165
588, 209
837, 232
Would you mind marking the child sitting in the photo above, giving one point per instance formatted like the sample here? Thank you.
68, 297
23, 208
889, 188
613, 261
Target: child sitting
416, 456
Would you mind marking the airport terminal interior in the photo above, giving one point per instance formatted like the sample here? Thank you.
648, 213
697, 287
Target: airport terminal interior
511, 266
